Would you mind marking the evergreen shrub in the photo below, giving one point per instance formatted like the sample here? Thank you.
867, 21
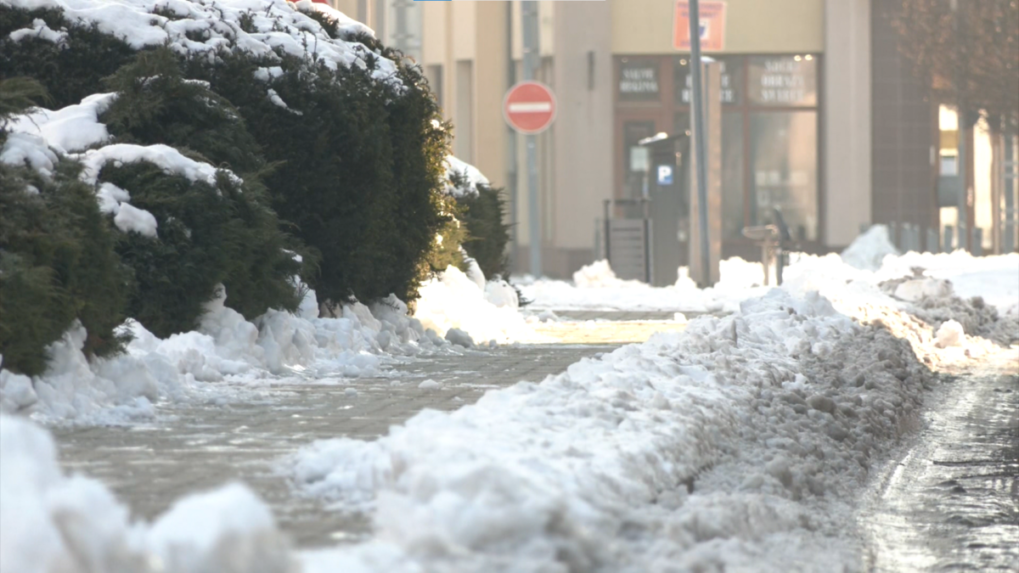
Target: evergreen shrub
57, 264
207, 235
487, 233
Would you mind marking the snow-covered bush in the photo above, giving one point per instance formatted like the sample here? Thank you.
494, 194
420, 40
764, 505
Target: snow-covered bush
350, 141
487, 232
209, 232
57, 265
68, 58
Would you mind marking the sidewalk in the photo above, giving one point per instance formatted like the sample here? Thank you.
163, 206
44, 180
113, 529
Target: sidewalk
951, 502
196, 447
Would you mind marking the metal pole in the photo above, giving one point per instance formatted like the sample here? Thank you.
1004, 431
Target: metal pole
530, 24
512, 174
700, 156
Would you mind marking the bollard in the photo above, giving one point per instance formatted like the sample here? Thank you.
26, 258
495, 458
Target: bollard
767, 237
948, 239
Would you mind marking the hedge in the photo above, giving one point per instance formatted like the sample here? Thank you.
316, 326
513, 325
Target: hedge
57, 265
487, 233
351, 163
207, 235
338, 166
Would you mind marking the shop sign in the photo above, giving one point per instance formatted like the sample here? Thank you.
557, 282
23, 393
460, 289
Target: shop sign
711, 16
638, 80
783, 80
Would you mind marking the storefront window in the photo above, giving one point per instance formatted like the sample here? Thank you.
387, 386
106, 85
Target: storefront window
770, 134
638, 80
731, 68
783, 148
782, 80
732, 169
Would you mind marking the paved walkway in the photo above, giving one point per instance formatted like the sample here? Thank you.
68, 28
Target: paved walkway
195, 447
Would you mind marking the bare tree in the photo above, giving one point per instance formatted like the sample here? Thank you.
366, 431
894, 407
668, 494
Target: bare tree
967, 51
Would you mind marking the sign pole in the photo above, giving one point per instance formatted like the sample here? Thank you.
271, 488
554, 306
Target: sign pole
530, 25
700, 153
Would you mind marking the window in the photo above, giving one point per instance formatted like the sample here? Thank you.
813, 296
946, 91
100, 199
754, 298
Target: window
783, 163
731, 79
782, 80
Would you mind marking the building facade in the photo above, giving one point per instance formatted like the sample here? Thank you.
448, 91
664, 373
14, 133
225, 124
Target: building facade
821, 117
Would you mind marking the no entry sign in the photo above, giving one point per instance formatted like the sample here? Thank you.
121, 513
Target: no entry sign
529, 107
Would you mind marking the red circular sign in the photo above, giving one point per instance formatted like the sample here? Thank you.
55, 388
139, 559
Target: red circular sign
529, 107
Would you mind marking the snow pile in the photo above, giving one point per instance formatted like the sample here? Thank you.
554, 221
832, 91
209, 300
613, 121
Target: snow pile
868, 250
993, 278
52, 522
600, 275
260, 28
914, 304
732, 444
464, 173
596, 287
453, 301
226, 349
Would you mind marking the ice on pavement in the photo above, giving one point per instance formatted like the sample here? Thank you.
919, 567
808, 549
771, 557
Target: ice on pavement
54, 522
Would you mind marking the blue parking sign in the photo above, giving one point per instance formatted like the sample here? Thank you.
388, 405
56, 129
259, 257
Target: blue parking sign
665, 175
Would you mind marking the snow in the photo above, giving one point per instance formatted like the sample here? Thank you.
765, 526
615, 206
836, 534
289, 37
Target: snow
732, 444
737, 444
472, 176
459, 338
68, 130
226, 348
453, 301
869, 249
26, 150
200, 28
132, 219
596, 287
53, 522
950, 333
165, 157
41, 31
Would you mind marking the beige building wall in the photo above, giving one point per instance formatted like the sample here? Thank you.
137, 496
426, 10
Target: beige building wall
584, 126
846, 111
752, 26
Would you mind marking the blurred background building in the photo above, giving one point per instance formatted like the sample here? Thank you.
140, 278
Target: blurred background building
823, 118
